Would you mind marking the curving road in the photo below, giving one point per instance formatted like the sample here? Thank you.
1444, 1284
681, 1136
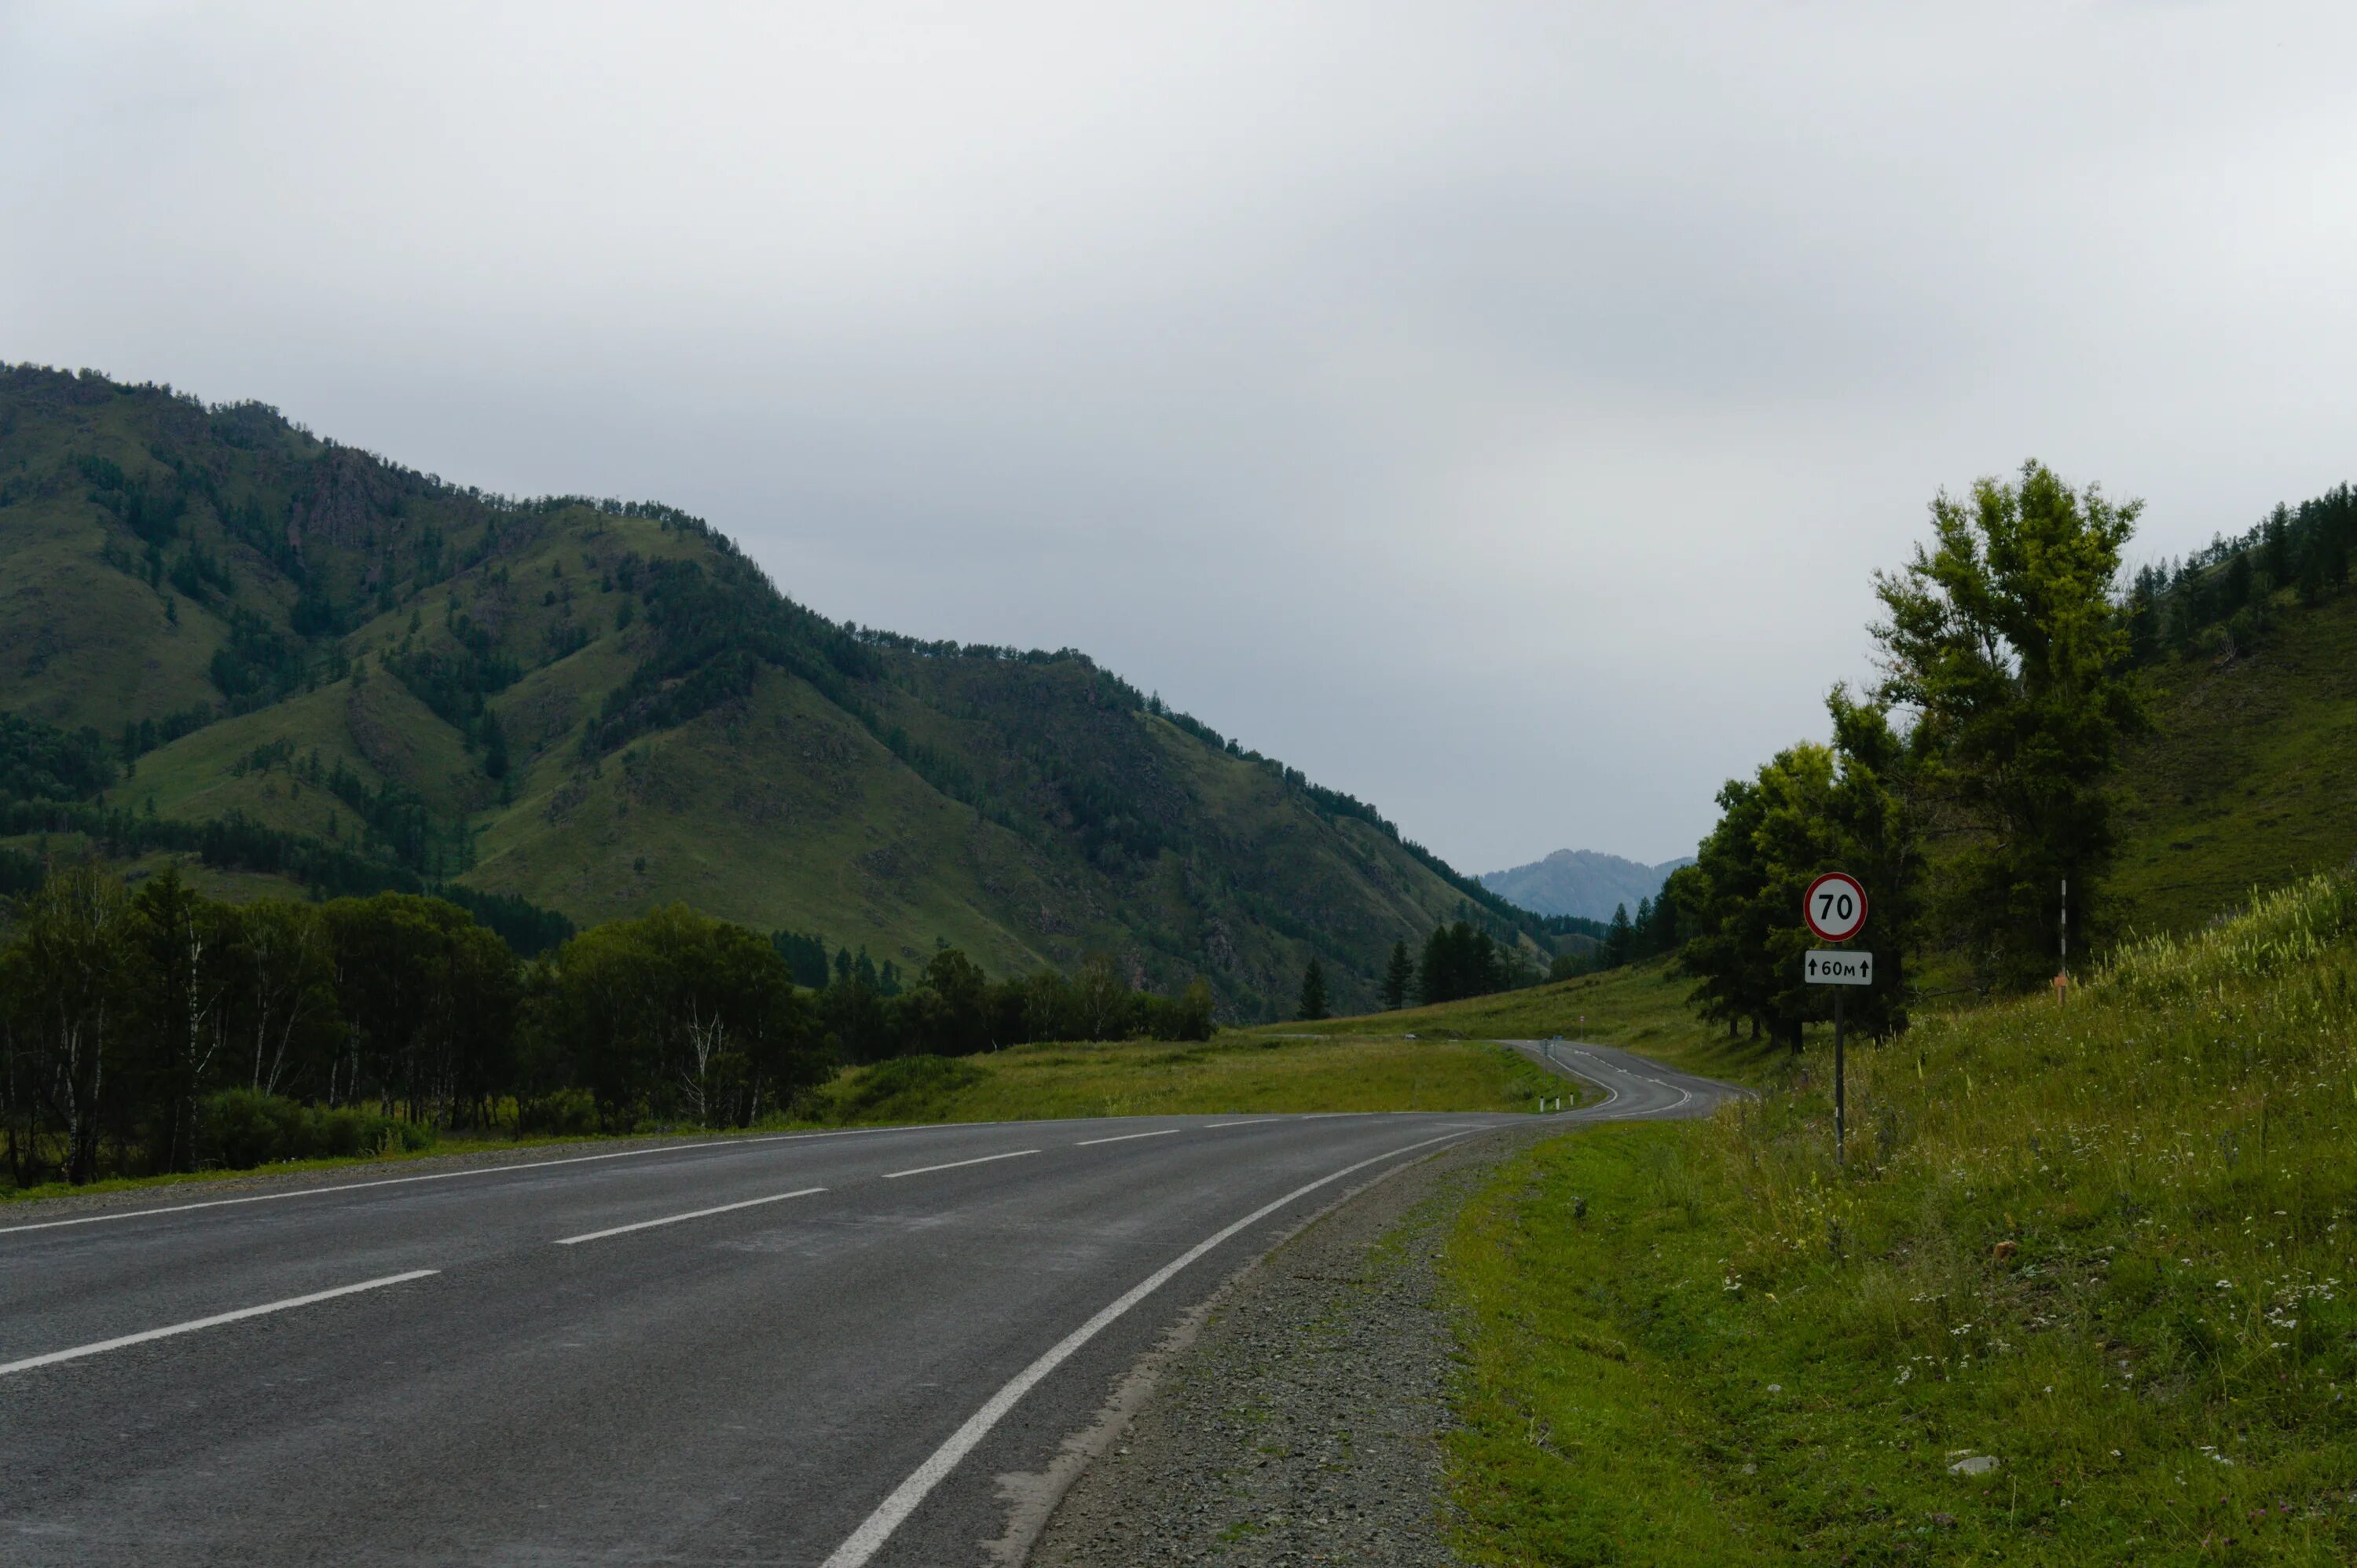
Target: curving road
1636, 1088
807, 1349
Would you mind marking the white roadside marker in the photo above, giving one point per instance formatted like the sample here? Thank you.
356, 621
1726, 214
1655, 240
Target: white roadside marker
870, 1536
54, 1357
1126, 1137
953, 1165
675, 1218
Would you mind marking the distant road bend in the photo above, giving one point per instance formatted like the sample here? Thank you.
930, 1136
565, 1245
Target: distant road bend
805, 1348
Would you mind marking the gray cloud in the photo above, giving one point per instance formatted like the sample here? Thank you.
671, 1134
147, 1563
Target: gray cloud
1495, 410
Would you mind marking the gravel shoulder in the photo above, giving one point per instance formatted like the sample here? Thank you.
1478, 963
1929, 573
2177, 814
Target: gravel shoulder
1297, 1417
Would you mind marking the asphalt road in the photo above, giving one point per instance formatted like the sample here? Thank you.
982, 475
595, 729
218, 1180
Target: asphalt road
814, 1350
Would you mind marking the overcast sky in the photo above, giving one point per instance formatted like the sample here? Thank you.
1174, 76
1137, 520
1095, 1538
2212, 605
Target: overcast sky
1494, 411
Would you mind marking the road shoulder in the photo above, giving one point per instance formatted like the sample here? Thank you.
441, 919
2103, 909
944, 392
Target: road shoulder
1296, 1418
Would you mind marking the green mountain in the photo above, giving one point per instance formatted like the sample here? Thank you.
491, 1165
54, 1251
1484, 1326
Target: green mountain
598, 707
1582, 882
2249, 778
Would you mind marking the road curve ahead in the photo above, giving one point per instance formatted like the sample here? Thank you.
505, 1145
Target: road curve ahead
802, 1349
1636, 1089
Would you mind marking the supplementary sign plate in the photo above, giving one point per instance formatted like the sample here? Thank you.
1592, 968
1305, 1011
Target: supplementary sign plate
1843, 968
1835, 907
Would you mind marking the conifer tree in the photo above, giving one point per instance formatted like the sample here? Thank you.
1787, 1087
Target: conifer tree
1313, 993
1620, 941
1398, 975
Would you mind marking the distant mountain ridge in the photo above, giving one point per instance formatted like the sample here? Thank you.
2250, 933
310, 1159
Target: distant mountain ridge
335, 670
1582, 882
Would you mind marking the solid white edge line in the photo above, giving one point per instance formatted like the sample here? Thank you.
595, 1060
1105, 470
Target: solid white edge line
54, 1357
1612, 1093
478, 1171
1126, 1137
1256, 1121
871, 1535
677, 1218
953, 1165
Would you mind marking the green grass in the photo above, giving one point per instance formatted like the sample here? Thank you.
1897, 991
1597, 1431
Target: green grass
461, 1141
1641, 1008
2108, 1245
1240, 1073
2246, 780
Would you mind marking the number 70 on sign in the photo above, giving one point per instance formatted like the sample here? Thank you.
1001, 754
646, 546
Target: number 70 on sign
1835, 907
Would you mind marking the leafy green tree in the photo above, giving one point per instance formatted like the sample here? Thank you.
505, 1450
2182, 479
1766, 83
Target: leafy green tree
431, 998
678, 1014
67, 981
1399, 976
1809, 809
1796, 839
853, 1017
181, 941
41, 762
947, 1011
1313, 993
1101, 1000
2002, 637
1723, 902
281, 1002
1880, 835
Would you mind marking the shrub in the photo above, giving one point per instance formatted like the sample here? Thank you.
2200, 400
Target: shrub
239, 1129
567, 1113
906, 1088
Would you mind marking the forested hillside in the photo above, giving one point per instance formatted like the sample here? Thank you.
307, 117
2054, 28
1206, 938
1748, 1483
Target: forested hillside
2048, 766
330, 673
2248, 651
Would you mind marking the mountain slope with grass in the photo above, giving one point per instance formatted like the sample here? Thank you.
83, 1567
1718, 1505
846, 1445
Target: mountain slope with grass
2246, 779
598, 707
2082, 1294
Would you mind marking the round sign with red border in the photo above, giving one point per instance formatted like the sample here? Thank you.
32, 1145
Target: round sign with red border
1835, 907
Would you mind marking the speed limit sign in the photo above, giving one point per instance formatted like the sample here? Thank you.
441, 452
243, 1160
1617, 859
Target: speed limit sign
1835, 907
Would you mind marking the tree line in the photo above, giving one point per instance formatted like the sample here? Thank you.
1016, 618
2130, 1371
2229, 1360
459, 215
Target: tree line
1461, 958
156, 1029
2223, 598
1963, 788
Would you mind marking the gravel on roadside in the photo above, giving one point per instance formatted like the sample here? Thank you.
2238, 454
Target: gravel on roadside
1297, 1419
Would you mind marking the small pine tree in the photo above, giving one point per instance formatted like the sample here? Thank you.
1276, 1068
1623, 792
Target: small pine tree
1313, 994
1398, 976
1621, 940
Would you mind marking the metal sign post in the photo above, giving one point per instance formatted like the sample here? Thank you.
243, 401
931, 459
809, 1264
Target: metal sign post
1835, 909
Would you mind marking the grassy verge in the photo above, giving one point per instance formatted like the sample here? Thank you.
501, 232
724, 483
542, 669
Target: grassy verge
1240, 1073
1228, 1073
1639, 1008
2107, 1246
462, 1140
